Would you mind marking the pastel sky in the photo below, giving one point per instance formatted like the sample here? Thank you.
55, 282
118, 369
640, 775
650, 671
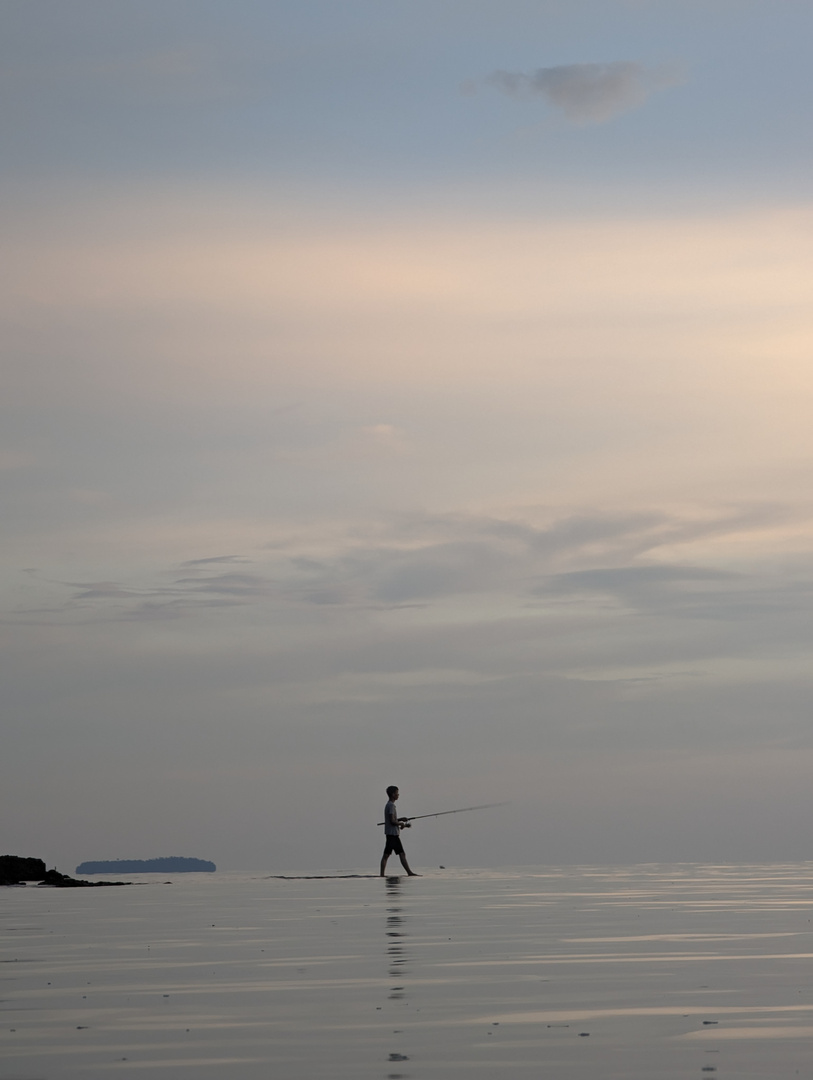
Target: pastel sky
406, 392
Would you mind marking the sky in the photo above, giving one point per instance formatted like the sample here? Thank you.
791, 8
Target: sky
406, 392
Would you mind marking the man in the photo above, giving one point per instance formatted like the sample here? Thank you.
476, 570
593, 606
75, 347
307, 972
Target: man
392, 832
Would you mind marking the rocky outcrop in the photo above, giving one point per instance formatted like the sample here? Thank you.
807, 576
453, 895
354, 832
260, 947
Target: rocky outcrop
14, 870
18, 870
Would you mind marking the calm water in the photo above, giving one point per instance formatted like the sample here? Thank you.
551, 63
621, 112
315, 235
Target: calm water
646, 971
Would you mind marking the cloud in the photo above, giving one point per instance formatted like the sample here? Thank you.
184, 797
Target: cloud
587, 93
650, 562
436, 570
221, 559
103, 590
237, 585
673, 591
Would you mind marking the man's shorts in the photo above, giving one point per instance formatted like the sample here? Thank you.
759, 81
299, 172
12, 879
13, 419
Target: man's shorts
393, 844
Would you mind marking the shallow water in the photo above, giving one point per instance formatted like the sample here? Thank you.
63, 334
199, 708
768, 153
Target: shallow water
578, 972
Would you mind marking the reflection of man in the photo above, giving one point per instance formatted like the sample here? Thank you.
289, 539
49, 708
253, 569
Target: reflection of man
392, 832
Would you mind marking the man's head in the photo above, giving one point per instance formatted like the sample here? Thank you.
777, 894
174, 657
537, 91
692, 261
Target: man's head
393, 792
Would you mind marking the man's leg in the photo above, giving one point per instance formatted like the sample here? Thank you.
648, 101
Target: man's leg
405, 865
384, 858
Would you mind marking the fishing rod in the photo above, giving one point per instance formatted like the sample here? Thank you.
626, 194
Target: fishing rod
440, 813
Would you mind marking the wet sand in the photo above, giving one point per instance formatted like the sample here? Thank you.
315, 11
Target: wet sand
648, 971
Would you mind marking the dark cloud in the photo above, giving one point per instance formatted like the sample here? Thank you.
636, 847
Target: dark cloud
685, 591
103, 590
167, 596
588, 563
586, 93
244, 585
438, 570
214, 559
625, 581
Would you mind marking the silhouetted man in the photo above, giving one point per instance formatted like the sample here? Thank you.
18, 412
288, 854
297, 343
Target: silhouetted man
392, 833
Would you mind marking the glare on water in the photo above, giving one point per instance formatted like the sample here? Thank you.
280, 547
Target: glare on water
578, 972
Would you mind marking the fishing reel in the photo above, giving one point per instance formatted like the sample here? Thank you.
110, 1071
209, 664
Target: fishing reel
405, 824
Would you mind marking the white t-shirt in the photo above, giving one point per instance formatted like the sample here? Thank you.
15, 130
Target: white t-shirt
389, 813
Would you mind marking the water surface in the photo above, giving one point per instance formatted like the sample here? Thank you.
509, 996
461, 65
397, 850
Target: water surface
578, 972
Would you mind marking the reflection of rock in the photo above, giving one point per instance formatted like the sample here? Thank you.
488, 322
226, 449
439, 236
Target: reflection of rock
15, 870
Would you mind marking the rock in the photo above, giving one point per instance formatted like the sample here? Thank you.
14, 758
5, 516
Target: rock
17, 869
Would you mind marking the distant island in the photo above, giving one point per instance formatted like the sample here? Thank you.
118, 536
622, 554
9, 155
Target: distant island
172, 864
